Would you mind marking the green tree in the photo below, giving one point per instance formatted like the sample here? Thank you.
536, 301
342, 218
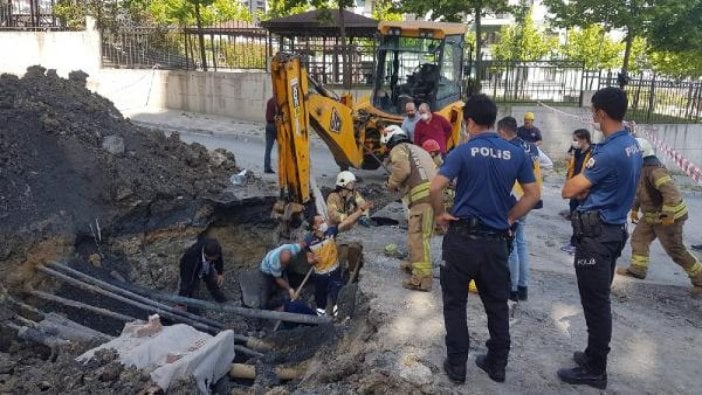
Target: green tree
681, 64
183, 12
628, 15
338, 6
279, 8
523, 41
593, 47
383, 10
676, 25
456, 11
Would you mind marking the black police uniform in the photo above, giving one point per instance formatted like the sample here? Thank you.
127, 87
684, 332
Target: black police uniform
599, 229
477, 246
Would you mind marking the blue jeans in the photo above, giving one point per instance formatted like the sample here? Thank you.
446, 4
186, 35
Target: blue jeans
519, 258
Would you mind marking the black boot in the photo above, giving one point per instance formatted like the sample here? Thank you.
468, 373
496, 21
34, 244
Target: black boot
580, 358
522, 293
514, 296
583, 375
455, 374
496, 373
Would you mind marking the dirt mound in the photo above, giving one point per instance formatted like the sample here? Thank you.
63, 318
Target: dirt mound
70, 164
27, 370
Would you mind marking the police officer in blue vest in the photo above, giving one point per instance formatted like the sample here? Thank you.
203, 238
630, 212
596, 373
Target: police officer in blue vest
478, 238
607, 187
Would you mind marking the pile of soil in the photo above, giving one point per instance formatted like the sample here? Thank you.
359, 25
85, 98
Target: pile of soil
70, 164
25, 369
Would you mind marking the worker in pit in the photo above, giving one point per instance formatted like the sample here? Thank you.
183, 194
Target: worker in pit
664, 215
272, 271
323, 255
202, 261
345, 205
412, 170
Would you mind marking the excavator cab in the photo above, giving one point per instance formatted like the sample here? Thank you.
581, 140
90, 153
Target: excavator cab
418, 62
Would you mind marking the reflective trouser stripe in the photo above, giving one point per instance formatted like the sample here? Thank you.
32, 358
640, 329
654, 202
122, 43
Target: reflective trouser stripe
420, 230
694, 270
640, 261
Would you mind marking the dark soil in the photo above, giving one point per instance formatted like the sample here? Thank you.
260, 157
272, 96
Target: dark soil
58, 178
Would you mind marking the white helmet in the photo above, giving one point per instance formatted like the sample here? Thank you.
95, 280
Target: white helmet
646, 147
390, 132
345, 178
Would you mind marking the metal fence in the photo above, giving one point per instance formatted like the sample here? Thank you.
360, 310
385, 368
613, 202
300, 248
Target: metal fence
28, 15
656, 99
232, 46
324, 59
228, 46
529, 82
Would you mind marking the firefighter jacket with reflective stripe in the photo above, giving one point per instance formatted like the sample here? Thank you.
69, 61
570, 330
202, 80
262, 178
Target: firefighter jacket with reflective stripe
340, 208
412, 170
657, 196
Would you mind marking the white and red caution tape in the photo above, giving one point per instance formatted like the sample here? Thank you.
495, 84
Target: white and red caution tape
691, 169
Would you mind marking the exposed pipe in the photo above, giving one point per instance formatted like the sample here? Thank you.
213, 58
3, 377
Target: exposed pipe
228, 308
121, 291
150, 308
82, 306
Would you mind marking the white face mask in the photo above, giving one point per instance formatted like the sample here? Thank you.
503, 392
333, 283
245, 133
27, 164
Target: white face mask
323, 227
425, 116
575, 144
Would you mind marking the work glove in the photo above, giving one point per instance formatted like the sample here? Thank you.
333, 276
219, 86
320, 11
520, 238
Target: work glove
667, 219
364, 221
634, 216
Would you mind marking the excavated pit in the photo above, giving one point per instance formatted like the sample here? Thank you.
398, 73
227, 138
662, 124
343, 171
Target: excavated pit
83, 186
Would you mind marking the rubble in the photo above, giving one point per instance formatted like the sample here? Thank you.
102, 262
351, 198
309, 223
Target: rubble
68, 158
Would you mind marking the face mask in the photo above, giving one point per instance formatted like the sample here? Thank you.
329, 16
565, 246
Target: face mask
323, 227
575, 144
425, 117
410, 115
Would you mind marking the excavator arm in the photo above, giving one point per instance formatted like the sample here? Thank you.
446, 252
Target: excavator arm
300, 110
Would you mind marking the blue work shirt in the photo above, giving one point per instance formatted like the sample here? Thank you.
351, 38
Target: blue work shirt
408, 126
271, 262
485, 169
613, 170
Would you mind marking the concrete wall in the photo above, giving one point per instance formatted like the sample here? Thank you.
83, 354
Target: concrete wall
237, 95
63, 51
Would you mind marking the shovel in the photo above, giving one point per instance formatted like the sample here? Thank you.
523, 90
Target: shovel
296, 294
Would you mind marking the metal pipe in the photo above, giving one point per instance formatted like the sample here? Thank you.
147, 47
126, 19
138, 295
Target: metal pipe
132, 295
160, 311
82, 306
238, 310
247, 351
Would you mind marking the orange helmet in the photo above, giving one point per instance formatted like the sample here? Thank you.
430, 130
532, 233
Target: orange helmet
430, 145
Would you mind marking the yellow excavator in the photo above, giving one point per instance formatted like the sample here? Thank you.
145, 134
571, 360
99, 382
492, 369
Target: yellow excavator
420, 62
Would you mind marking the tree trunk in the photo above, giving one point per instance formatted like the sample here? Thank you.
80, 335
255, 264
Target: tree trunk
478, 47
627, 49
346, 67
201, 37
